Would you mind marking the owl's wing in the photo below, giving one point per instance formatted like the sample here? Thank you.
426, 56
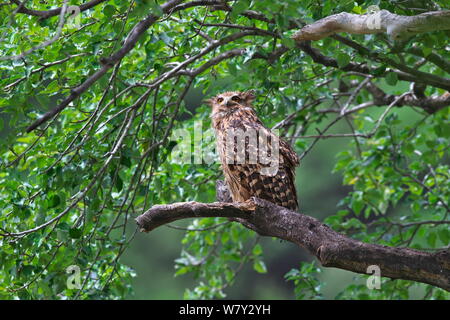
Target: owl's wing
278, 187
271, 181
288, 153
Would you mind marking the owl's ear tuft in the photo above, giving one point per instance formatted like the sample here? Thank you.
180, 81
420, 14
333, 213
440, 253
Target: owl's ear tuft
209, 102
249, 96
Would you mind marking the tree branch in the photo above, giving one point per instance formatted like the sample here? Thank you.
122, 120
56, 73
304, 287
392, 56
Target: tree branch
42, 68
331, 248
396, 26
439, 61
318, 57
428, 104
404, 70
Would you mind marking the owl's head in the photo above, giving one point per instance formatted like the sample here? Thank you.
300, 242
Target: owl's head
227, 101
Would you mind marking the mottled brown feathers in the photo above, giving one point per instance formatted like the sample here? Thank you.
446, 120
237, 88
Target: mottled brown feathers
247, 172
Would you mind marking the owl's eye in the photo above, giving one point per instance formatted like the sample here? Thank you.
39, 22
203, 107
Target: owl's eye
219, 100
236, 98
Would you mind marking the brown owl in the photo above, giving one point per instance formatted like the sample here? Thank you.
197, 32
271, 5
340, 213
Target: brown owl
255, 161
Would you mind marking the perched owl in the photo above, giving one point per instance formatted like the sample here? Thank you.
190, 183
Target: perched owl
255, 161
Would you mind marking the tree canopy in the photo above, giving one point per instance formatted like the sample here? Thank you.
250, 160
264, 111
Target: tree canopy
93, 96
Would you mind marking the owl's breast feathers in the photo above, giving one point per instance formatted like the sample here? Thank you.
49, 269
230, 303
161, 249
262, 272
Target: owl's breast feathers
254, 175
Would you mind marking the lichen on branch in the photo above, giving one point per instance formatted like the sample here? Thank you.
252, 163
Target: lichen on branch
397, 27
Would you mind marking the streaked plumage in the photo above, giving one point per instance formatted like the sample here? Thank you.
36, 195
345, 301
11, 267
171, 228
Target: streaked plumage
233, 111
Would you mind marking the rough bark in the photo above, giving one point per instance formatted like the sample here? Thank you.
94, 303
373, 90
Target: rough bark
331, 248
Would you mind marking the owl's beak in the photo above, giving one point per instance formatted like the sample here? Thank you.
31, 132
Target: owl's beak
230, 103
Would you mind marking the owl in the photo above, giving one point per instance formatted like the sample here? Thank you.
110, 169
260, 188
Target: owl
255, 161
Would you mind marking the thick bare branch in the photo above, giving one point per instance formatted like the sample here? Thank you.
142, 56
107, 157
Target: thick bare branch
396, 26
331, 248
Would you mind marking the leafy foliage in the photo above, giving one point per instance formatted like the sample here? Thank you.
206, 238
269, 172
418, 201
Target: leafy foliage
307, 286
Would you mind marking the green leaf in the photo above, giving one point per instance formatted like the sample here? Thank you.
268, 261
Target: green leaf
391, 78
62, 235
119, 183
257, 250
54, 201
260, 266
444, 236
239, 7
357, 9
165, 38
75, 233
109, 10
343, 59
427, 50
155, 8
290, 43
431, 239
225, 237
